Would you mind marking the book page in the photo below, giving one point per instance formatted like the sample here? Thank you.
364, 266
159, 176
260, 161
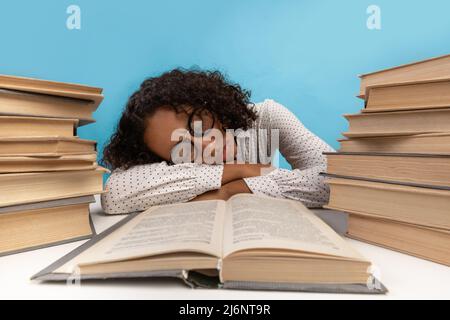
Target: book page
254, 222
184, 227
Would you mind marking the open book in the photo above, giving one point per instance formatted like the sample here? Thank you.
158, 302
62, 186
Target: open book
248, 242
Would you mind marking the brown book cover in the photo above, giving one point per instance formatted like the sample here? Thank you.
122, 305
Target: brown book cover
45, 146
410, 169
14, 126
45, 224
22, 188
433, 143
408, 96
18, 103
425, 70
398, 123
426, 243
46, 163
404, 203
55, 88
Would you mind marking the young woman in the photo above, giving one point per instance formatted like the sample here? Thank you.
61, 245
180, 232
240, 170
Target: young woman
140, 153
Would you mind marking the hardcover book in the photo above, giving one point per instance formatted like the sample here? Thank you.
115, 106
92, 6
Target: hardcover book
404, 168
48, 163
247, 242
426, 207
45, 146
398, 123
13, 126
408, 96
430, 143
22, 188
44, 98
426, 243
42, 224
425, 70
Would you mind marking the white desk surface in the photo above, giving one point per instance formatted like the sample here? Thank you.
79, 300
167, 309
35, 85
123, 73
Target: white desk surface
406, 277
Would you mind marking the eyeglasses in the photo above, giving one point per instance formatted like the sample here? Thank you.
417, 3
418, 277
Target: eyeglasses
200, 122
198, 125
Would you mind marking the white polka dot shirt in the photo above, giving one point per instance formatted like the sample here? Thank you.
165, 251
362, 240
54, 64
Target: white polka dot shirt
143, 186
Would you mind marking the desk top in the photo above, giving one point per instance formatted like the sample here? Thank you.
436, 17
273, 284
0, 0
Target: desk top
406, 277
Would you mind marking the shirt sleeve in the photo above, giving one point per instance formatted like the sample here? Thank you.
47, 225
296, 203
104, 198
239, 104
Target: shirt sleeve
303, 151
143, 186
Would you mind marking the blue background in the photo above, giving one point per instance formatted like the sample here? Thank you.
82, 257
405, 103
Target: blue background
304, 54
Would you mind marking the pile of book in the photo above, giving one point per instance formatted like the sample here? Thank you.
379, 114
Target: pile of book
392, 173
48, 175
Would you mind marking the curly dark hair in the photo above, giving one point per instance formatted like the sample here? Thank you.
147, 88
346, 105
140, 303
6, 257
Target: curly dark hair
197, 89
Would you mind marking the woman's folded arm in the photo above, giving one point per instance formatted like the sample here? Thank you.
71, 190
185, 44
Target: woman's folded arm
143, 186
304, 185
304, 152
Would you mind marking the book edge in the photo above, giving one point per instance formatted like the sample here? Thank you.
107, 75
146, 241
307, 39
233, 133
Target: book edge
388, 154
48, 204
47, 245
58, 263
75, 86
407, 184
404, 65
395, 249
307, 287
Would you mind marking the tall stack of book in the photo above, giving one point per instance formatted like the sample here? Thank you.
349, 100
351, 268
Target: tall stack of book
48, 175
392, 172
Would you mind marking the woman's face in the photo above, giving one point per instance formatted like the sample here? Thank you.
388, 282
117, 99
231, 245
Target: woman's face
165, 128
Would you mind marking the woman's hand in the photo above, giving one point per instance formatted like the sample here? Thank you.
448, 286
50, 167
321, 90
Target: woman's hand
233, 172
225, 192
232, 181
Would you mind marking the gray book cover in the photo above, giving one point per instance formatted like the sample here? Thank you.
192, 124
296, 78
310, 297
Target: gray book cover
48, 204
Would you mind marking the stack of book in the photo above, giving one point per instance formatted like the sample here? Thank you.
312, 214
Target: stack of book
392, 172
48, 175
